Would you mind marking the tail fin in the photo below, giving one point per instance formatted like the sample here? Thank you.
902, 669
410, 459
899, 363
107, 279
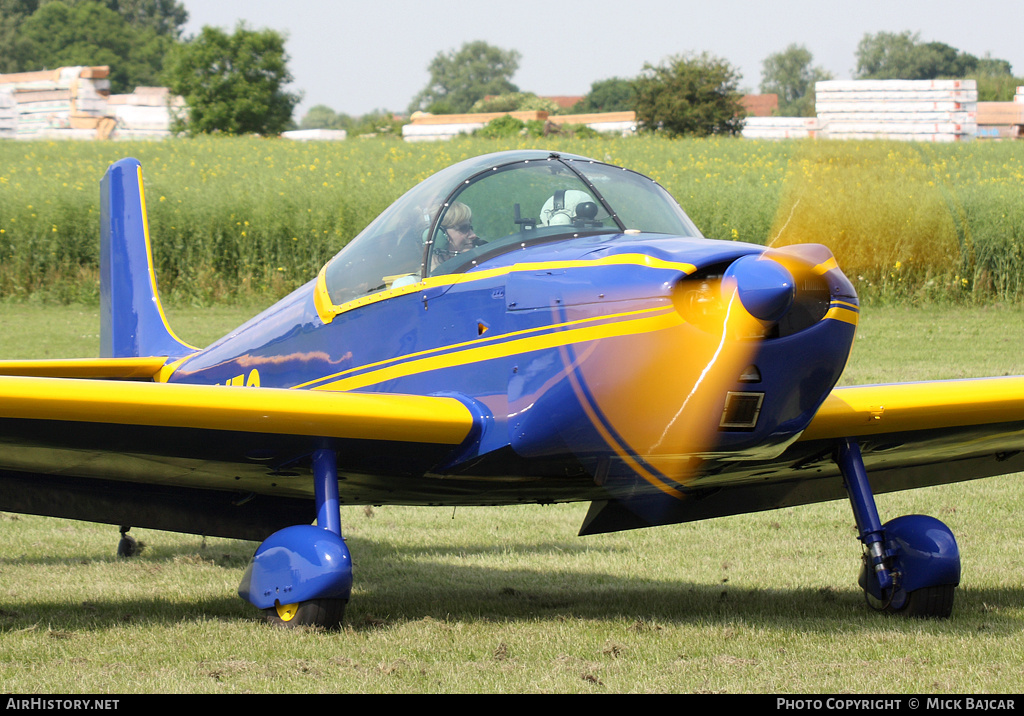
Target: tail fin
132, 322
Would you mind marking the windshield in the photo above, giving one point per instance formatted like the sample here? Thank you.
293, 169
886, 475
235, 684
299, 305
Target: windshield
496, 203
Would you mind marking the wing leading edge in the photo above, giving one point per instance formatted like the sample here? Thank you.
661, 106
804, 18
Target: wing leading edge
369, 416
875, 410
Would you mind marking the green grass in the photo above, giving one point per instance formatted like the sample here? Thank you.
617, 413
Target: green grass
510, 600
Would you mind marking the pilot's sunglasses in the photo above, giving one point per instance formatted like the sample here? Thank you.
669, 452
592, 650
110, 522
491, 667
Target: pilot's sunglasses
462, 228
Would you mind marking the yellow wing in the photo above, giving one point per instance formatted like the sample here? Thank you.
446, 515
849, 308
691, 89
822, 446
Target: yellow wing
215, 460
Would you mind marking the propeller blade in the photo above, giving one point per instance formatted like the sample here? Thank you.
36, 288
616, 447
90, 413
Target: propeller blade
659, 399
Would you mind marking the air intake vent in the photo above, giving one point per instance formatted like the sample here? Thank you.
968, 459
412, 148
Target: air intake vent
741, 411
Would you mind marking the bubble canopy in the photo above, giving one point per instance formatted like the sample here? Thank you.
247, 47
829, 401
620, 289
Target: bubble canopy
488, 205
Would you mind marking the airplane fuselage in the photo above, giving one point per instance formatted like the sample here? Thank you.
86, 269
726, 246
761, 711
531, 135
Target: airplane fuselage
575, 348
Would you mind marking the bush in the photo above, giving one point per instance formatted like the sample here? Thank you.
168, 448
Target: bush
516, 102
502, 127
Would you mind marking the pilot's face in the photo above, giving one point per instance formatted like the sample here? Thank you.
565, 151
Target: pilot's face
461, 236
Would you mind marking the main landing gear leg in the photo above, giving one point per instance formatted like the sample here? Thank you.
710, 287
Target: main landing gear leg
302, 575
912, 563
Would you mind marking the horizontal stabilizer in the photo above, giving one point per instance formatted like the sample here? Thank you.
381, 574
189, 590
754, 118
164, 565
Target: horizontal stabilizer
144, 368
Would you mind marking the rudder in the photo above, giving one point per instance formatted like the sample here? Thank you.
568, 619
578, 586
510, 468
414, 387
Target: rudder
132, 321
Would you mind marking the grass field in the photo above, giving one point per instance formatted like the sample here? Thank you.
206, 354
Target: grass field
509, 600
242, 216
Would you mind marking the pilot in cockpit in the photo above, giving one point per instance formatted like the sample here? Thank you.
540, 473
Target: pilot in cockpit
457, 226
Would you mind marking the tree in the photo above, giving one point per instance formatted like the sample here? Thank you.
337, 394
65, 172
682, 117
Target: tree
689, 94
38, 34
323, 117
611, 95
789, 75
13, 46
515, 102
887, 55
233, 83
89, 33
460, 78
165, 17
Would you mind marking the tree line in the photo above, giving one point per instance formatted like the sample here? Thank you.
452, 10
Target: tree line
235, 83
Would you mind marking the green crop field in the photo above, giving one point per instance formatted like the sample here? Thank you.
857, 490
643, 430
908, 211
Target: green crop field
234, 218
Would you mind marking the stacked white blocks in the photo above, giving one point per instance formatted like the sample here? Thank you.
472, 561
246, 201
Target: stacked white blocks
919, 110
75, 103
8, 120
146, 113
67, 103
780, 127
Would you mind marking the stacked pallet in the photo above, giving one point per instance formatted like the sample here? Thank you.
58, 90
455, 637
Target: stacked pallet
919, 110
8, 121
426, 127
66, 103
432, 127
1000, 120
315, 135
780, 127
146, 113
622, 124
75, 103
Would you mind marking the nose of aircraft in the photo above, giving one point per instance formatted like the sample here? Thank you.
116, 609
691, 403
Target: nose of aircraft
765, 288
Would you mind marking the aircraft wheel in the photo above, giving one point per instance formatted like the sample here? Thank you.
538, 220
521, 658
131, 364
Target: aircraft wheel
127, 546
934, 602
326, 613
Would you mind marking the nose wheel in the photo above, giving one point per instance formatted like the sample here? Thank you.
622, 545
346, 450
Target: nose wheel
911, 564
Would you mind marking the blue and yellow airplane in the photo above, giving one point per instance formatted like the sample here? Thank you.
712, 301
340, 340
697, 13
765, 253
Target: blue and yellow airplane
521, 327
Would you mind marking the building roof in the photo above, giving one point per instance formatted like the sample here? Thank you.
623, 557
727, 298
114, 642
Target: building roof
760, 105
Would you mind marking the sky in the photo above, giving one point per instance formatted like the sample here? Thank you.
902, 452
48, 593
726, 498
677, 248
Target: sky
359, 57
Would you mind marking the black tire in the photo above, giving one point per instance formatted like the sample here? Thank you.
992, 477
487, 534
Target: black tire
929, 602
325, 613
925, 603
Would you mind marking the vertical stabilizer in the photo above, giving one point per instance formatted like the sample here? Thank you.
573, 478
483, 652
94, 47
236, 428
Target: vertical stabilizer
132, 322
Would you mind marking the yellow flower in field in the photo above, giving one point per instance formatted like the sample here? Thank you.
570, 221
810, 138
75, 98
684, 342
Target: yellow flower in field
899, 264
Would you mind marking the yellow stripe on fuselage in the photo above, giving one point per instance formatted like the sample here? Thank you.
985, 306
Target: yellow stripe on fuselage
327, 310
631, 323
